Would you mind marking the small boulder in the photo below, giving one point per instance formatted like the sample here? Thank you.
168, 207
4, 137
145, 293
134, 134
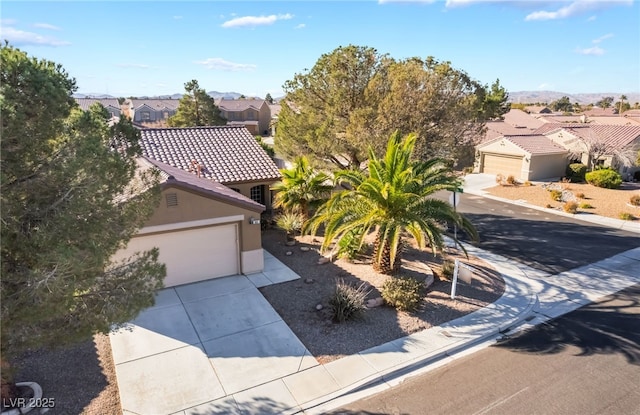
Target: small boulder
309, 281
288, 253
324, 260
319, 307
304, 248
290, 243
375, 302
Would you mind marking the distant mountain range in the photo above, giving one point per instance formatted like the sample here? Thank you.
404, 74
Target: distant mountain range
528, 97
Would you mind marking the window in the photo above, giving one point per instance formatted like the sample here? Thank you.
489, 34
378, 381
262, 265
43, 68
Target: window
145, 115
256, 194
250, 115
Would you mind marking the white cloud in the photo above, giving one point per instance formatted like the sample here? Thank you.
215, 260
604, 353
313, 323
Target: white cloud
595, 50
574, 8
46, 26
300, 26
8, 22
591, 19
252, 21
21, 38
133, 65
223, 65
601, 38
177, 17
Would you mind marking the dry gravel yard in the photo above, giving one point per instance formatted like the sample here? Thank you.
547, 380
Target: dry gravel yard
605, 202
296, 301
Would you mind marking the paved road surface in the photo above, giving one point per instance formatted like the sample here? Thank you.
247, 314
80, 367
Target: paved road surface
586, 362
542, 240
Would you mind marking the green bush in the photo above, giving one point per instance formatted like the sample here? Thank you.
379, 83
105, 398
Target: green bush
627, 216
349, 246
607, 178
403, 293
448, 267
635, 200
556, 195
347, 301
585, 205
575, 172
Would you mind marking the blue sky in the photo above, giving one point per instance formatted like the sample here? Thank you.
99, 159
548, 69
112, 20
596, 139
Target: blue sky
153, 47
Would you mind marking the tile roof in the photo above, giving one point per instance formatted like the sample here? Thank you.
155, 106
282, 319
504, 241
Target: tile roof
170, 175
157, 104
614, 136
601, 112
519, 118
552, 126
536, 144
227, 154
240, 104
85, 103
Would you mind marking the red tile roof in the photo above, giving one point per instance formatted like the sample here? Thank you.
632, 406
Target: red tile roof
226, 154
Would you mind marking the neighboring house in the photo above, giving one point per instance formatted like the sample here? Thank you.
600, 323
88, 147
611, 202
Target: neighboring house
526, 157
514, 122
229, 155
545, 153
151, 110
111, 104
203, 229
254, 114
538, 109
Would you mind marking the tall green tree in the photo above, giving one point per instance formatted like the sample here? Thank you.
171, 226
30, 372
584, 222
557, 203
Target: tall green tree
320, 105
196, 108
495, 103
443, 106
563, 104
392, 198
71, 196
605, 102
302, 188
268, 98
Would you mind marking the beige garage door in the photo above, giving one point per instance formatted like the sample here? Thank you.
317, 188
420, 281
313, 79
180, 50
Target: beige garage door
501, 164
194, 254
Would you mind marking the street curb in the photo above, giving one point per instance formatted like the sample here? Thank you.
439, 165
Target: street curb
405, 370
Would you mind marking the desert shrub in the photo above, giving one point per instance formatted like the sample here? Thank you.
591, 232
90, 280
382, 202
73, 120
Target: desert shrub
580, 195
548, 206
585, 205
403, 293
607, 178
290, 222
500, 179
635, 200
570, 207
626, 216
448, 267
528, 183
511, 180
556, 195
575, 172
348, 302
468, 170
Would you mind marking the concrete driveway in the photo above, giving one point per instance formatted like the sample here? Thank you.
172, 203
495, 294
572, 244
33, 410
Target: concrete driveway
201, 342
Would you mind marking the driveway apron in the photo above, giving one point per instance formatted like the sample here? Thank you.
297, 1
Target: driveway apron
203, 341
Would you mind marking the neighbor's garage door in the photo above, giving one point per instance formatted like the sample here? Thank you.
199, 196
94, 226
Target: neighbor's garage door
194, 254
501, 164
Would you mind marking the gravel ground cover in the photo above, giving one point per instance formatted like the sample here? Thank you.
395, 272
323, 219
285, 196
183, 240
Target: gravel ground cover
604, 202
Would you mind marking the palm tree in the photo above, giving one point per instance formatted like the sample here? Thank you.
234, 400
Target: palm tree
302, 188
392, 198
622, 98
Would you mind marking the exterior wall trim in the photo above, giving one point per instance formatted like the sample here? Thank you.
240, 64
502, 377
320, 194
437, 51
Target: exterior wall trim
191, 224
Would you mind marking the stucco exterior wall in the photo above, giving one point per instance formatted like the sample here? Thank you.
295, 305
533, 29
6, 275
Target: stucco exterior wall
192, 207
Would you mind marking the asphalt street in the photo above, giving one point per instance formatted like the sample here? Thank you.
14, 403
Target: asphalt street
585, 362
539, 239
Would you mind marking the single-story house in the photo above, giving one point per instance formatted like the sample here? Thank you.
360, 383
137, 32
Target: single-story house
526, 157
229, 155
202, 228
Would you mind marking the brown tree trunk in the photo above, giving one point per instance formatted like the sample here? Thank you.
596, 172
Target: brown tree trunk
8, 389
384, 266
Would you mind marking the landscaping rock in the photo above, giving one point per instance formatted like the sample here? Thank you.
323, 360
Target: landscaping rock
288, 253
375, 302
304, 248
309, 281
290, 243
319, 307
324, 260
